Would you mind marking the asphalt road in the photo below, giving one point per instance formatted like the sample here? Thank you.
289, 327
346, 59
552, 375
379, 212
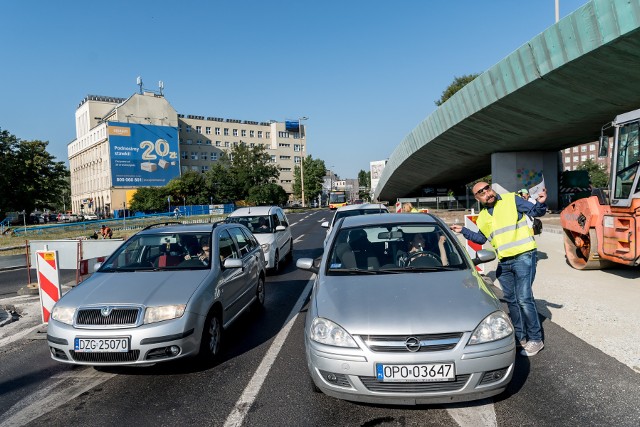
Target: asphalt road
262, 379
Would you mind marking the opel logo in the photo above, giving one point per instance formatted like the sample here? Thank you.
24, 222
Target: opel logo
105, 311
412, 344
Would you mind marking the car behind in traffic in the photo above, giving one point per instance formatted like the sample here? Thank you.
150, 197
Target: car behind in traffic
353, 210
393, 324
166, 293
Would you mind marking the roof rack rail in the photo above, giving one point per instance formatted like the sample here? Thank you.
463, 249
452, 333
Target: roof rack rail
161, 224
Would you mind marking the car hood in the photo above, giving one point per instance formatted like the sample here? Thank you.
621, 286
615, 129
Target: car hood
149, 288
411, 303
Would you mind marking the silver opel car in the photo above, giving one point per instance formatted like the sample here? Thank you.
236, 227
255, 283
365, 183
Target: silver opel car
168, 292
399, 315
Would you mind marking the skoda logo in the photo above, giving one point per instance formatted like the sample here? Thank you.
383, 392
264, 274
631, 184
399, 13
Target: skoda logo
105, 311
412, 344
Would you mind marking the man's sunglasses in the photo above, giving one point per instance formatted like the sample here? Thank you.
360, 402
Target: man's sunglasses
483, 190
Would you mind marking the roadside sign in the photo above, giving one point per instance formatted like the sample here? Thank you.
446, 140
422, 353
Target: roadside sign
48, 281
473, 248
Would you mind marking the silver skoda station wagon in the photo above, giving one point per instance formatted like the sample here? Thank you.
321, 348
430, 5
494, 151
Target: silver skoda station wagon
167, 292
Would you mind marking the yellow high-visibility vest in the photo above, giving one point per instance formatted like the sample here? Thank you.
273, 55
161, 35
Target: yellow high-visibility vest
508, 235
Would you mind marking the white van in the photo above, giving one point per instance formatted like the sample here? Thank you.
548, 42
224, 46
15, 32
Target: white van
271, 228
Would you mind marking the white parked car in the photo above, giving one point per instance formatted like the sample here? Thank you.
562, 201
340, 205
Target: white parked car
90, 217
271, 228
353, 210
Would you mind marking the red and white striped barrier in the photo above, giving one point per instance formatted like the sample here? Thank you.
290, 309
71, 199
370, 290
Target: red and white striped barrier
48, 281
473, 248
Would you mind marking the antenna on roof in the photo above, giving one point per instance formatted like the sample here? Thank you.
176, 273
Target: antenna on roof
139, 83
161, 86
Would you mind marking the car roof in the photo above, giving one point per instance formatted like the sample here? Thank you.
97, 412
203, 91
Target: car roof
406, 218
361, 206
254, 210
180, 228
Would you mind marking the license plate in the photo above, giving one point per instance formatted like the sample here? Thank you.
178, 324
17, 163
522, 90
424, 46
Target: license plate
101, 345
416, 373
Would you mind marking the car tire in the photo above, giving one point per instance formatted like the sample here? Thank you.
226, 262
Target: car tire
211, 341
258, 304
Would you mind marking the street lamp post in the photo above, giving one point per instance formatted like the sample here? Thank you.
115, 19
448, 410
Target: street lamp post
302, 159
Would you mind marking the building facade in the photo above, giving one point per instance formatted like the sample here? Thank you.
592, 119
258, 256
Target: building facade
574, 156
125, 143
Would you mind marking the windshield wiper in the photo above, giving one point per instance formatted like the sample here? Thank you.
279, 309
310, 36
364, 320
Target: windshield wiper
353, 270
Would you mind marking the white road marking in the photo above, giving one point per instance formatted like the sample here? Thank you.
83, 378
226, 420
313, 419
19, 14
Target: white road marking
482, 413
299, 238
18, 335
70, 385
250, 392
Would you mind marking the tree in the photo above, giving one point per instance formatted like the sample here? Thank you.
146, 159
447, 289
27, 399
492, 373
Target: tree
457, 84
150, 199
266, 195
29, 176
364, 180
188, 189
597, 173
314, 172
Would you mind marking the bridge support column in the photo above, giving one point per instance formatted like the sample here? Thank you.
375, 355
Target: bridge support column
524, 169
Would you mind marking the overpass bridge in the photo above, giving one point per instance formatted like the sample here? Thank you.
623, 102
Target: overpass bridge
555, 91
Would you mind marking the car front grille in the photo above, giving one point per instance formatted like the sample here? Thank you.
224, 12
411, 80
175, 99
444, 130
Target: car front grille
398, 343
115, 316
129, 356
372, 384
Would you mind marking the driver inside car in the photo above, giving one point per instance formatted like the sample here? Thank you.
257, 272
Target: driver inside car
418, 247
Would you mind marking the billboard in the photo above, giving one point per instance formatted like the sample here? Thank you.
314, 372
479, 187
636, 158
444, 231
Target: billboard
143, 155
292, 125
376, 169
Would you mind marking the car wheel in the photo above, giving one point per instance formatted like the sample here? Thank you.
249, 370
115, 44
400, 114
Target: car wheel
211, 340
258, 304
276, 263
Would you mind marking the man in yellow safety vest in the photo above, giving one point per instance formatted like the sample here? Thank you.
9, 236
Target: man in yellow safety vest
504, 223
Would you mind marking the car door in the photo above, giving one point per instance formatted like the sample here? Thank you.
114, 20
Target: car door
283, 237
233, 280
250, 262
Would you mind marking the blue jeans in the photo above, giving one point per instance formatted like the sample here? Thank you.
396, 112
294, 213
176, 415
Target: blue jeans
516, 278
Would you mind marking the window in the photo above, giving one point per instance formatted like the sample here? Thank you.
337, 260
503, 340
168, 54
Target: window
218, 143
252, 145
188, 128
296, 159
259, 134
575, 159
204, 168
194, 168
592, 147
583, 149
241, 240
243, 132
226, 247
282, 134
208, 142
583, 157
194, 155
273, 159
217, 131
207, 130
198, 129
567, 150
189, 142
285, 157
203, 155
183, 155
180, 127
226, 144
592, 156
575, 149
199, 142
267, 134
567, 159
235, 132
252, 133
214, 156
226, 131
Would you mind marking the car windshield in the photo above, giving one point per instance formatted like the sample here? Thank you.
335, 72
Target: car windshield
356, 212
394, 248
161, 251
256, 223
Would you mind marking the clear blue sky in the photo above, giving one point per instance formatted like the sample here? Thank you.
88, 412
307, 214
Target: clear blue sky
365, 72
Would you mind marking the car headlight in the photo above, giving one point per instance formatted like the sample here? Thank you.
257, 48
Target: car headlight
494, 327
326, 332
265, 247
163, 312
63, 314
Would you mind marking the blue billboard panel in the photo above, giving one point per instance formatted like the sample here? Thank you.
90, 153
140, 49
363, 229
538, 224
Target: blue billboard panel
292, 125
143, 155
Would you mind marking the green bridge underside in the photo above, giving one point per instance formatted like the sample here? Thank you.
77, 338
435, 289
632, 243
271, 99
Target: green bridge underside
554, 92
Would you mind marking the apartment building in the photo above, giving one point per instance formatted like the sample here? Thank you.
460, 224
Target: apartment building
572, 157
125, 143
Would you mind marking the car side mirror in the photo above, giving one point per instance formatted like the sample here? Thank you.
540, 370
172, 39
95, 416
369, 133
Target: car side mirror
97, 266
603, 147
307, 264
280, 228
232, 263
483, 256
